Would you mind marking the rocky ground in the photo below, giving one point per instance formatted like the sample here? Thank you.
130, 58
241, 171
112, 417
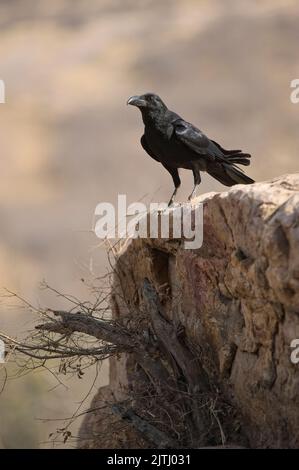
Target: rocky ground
231, 305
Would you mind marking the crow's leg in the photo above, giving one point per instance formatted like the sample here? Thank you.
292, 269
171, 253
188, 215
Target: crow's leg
172, 199
197, 181
176, 181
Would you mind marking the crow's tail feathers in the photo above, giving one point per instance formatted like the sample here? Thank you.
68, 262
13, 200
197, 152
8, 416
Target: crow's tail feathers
229, 174
232, 156
237, 175
239, 158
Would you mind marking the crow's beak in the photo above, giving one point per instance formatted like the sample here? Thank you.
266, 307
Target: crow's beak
137, 101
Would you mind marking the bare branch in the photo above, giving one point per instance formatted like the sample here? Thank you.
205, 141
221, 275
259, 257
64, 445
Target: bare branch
81, 323
158, 438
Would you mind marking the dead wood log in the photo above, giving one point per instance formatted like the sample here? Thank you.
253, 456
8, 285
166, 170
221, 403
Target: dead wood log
146, 430
109, 332
166, 333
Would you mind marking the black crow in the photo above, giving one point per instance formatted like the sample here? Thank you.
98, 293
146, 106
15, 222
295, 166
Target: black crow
176, 143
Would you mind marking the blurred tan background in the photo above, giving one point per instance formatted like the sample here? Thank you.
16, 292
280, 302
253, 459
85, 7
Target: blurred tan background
68, 140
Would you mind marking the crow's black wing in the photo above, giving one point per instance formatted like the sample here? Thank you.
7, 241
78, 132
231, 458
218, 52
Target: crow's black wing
221, 164
147, 148
199, 143
192, 137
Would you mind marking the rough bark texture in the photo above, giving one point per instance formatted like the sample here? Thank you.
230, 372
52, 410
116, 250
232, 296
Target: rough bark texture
237, 301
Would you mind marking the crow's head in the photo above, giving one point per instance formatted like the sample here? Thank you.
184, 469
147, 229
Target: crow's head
148, 102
